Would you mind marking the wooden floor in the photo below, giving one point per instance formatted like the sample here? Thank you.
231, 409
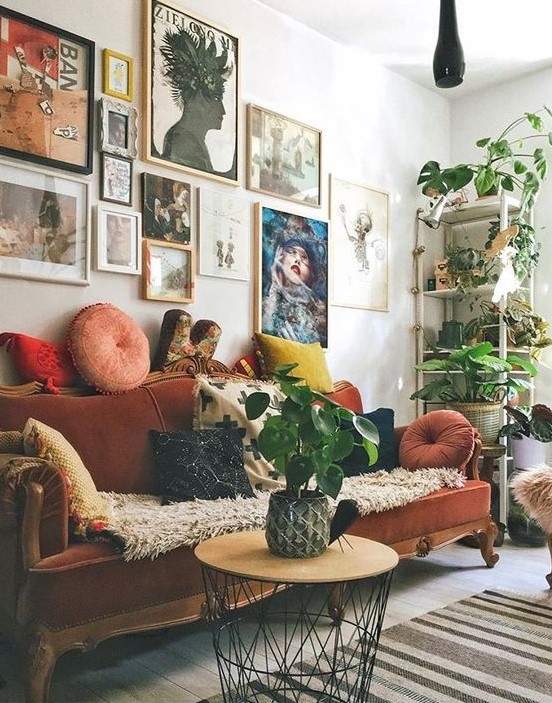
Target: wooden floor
178, 665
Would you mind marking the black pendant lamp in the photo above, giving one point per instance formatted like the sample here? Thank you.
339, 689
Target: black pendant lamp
448, 60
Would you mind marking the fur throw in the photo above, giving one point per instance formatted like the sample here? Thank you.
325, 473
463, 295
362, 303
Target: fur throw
532, 488
146, 529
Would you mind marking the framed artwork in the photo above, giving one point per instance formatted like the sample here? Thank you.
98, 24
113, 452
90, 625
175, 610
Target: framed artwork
166, 209
192, 93
46, 93
359, 216
116, 179
118, 238
117, 75
283, 157
44, 224
168, 271
291, 297
224, 235
117, 128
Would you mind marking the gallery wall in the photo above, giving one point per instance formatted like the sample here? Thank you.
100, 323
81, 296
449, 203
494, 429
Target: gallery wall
376, 131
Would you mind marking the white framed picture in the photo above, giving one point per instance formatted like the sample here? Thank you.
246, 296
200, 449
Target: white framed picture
359, 219
224, 235
118, 235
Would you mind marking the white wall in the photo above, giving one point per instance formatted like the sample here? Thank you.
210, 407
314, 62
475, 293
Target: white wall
485, 115
378, 128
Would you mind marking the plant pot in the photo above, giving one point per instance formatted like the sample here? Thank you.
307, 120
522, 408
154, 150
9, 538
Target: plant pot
521, 528
298, 527
486, 417
527, 452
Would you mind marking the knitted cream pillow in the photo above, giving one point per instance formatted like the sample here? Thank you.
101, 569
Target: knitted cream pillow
87, 509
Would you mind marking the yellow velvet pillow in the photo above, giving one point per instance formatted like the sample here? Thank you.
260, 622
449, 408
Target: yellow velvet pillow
87, 507
309, 357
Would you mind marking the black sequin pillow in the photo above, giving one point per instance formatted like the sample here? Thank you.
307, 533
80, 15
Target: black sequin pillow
204, 464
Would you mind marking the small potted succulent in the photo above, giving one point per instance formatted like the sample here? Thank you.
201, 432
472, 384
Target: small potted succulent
305, 440
507, 163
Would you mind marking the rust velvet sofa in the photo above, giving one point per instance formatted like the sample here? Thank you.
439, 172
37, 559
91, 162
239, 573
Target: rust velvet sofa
57, 594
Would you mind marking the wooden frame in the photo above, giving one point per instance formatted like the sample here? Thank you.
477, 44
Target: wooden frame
291, 294
116, 179
283, 157
117, 75
118, 239
168, 271
118, 130
44, 225
360, 243
225, 235
198, 131
166, 209
46, 93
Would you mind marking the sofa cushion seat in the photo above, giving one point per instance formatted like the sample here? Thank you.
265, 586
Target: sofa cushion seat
93, 581
437, 511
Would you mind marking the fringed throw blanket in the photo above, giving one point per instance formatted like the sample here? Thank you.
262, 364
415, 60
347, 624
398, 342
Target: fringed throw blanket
145, 528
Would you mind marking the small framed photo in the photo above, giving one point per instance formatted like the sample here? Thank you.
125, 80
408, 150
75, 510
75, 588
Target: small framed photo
44, 225
117, 75
116, 179
225, 235
283, 157
166, 209
168, 271
118, 128
118, 240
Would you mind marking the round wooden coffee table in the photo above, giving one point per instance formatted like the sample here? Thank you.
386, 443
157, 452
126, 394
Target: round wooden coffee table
311, 626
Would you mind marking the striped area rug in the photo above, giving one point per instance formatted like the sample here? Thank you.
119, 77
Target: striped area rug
490, 648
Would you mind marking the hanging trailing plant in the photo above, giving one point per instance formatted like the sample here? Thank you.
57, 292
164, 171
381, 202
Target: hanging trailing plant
527, 249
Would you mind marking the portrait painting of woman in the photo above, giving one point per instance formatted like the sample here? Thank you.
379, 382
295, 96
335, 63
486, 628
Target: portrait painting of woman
294, 276
193, 93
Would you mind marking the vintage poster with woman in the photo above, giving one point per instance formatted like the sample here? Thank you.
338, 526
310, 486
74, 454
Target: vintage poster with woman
192, 93
292, 301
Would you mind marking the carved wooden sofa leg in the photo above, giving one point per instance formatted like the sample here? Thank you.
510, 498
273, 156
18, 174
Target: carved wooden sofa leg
41, 660
549, 576
486, 539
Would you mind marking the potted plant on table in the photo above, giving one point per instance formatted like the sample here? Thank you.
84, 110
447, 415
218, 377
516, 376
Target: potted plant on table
473, 381
304, 440
506, 164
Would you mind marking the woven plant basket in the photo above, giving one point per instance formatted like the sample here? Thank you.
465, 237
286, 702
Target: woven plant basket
486, 417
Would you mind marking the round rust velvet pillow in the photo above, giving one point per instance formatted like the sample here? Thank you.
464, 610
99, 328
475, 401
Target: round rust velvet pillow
442, 438
108, 348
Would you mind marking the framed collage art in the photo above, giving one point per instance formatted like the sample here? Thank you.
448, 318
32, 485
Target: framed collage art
283, 157
116, 179
291, 296
46, 93
118, 238
360, 261
44, 226
167, 209
192, 93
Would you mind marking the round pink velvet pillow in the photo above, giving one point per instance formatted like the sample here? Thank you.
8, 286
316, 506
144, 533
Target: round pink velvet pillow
108, 348
442, 438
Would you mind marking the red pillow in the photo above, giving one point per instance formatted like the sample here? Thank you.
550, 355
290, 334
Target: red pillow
442, 438
37, 360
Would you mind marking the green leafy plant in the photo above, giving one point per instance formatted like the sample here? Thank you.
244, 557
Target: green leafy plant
524, 327
505, 164
468, 267
526, 248
305, 438
528, 421
473, 374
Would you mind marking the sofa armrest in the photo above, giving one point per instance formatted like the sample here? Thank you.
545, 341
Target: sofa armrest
34, 499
